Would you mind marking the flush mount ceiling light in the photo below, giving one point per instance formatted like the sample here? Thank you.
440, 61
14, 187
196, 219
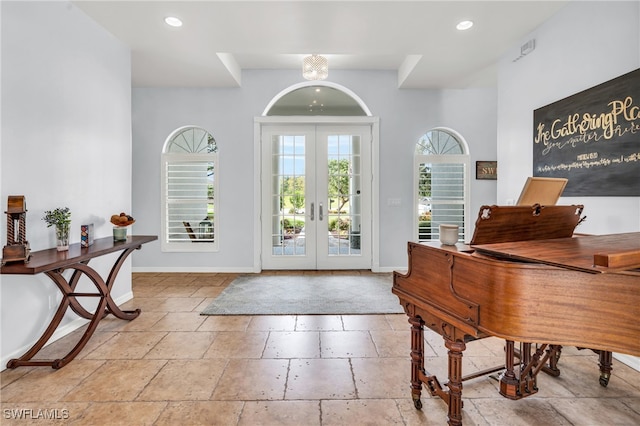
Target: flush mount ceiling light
464, 25
315, 67
173, 21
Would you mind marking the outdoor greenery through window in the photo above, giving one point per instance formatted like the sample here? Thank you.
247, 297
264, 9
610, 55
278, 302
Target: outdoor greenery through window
330, 191
190, 183
292, 186
440, 168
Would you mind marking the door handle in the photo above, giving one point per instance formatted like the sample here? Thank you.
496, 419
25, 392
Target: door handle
320, 212
313, 209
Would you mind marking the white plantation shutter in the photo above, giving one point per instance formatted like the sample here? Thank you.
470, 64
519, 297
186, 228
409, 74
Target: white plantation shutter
189, 183
441, 177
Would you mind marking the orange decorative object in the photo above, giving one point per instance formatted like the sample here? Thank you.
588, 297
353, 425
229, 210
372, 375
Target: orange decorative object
122, 219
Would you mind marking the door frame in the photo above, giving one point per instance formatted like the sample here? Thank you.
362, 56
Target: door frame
315, 120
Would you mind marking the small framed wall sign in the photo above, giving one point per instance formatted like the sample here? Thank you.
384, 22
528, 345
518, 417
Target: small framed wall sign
487, 170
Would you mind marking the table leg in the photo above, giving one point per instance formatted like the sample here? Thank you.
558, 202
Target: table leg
74, 304
69, 297
51, 328
112, 308
105, 306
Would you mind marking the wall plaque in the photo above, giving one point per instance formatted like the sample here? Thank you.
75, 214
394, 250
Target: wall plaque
593, 139
487, 170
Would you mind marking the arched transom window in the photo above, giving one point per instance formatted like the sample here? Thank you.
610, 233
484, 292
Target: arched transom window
441, 164
439, 142
189, 191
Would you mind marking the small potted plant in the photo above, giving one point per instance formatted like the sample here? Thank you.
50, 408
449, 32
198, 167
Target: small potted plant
61, 219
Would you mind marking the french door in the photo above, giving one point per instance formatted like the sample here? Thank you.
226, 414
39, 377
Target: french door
316, 196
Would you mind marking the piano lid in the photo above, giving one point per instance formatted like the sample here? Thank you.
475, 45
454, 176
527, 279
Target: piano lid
576, 252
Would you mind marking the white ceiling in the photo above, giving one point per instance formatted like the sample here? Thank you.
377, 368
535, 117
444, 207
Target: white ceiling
416, 38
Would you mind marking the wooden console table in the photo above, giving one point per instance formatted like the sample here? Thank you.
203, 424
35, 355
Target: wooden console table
53, 263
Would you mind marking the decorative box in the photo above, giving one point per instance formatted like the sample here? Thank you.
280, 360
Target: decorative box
86, 235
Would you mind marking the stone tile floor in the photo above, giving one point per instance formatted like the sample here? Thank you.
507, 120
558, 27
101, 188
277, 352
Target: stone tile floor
173, 366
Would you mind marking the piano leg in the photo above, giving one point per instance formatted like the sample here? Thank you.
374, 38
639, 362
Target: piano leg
509, 383
453, 397
605, 362
456, 347
554, 356
417, 359
606, 359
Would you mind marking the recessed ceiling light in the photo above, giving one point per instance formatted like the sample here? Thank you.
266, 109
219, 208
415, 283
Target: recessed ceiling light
464, 25
173, 21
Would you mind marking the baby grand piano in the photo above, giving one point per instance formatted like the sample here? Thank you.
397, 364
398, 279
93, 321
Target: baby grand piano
525, 277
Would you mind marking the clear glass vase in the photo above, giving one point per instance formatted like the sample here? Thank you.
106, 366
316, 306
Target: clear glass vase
62, 238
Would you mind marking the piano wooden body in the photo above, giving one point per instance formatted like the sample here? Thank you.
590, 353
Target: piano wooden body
524, 278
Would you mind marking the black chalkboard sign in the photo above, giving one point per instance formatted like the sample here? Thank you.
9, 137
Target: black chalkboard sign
592, 138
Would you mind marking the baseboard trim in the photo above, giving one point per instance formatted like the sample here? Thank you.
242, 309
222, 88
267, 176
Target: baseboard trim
630, 360
184, 269
231, 270
391, 269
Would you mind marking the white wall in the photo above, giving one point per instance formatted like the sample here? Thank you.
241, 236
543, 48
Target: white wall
66, 141
473, 113
228, 114
585, 44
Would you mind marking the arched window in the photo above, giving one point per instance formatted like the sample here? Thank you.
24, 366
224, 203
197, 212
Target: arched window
314, 98
189, 191
441, 170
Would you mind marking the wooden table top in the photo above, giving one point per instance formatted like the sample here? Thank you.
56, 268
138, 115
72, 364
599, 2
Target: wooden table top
50, 259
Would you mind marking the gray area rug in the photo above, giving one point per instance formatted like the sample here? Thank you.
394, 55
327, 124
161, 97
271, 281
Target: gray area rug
306, 295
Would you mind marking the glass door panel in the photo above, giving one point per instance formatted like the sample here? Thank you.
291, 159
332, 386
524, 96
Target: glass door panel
316, 197
288, 195
344, 199
288, 242
344, 185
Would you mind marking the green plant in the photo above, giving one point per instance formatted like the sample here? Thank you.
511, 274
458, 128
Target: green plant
60, 218
292, 226
297, 201
339, 224
425, 217
424, 230
339, 177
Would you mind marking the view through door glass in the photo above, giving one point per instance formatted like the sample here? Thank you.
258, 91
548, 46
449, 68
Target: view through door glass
343, 194
316, 192
288, 195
